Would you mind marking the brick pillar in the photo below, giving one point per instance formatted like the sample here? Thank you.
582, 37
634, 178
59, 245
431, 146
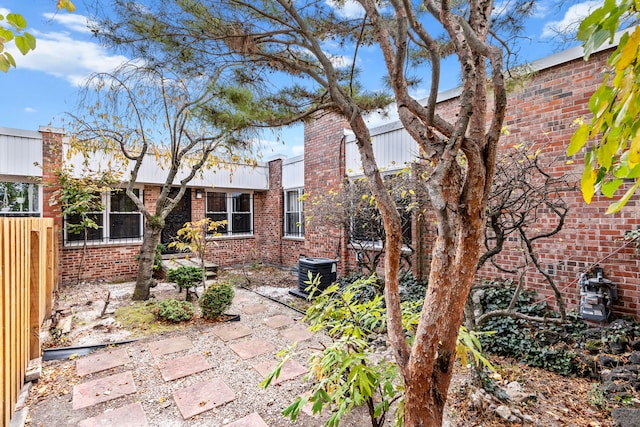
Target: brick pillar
324, 170
51, 162
271, 218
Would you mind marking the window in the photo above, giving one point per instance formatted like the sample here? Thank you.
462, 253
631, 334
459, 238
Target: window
235, 208
293, 213
217, 209
124, 218
120, 221
367, 227
19, 199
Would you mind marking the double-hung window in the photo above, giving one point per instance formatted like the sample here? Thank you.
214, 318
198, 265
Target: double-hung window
235, 208
293, 213
120, 221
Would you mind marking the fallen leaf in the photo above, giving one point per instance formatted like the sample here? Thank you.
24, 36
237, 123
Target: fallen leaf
204, 402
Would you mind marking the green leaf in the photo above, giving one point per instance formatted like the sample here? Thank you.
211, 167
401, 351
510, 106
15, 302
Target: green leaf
4, 63
10, 59
5, 34
17, 21
578, 139
22, 44
615, 207
610, 187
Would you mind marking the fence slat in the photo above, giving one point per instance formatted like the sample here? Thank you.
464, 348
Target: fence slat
28, 272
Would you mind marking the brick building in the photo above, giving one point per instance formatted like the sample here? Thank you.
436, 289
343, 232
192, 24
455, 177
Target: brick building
267, 219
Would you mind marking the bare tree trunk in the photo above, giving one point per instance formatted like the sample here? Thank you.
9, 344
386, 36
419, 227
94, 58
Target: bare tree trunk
427, 379
152, 233
84, 254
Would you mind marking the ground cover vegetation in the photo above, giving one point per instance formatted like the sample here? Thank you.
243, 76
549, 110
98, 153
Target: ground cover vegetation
276, 38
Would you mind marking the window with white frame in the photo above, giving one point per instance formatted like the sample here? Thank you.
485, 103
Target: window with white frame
120, 221
235, 208
293, 213
19, 199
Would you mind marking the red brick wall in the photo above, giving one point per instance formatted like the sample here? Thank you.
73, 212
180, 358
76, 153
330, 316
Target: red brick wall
541, 115
104, 262
324, 171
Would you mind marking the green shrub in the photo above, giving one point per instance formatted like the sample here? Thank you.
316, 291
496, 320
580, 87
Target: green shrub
215, 300
185, 277
172, 310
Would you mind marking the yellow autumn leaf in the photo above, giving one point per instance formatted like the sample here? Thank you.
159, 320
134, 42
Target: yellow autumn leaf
587, 184
629, 51
634, 151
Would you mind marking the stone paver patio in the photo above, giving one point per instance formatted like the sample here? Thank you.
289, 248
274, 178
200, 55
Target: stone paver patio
195, 387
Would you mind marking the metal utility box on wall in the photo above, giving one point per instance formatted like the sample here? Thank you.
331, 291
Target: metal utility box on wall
325, 267
596, 296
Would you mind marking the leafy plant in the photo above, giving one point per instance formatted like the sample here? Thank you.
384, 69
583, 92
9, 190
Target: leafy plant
79, 199
185, 277
531, 343
215, 300
172, 310
193, 237
347, 374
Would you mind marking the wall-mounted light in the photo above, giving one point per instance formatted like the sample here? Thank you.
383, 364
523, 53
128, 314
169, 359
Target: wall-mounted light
198, 194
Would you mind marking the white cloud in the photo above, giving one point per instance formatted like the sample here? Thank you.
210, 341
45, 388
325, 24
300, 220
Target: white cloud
71, 59
30, 110
297, 149
571, 20
4, 11
350, 9
71, 21
340, 61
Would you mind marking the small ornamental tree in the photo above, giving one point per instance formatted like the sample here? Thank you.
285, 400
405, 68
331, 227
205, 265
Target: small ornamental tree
195, 237
79, 198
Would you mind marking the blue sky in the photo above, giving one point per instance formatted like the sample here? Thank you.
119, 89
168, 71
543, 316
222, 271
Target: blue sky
45, 84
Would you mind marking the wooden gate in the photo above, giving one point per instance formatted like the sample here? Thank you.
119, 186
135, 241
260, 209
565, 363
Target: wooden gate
28, 278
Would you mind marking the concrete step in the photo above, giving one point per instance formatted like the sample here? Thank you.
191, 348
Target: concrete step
173, 263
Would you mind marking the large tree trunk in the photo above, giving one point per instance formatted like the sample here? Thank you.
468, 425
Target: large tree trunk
151, 240
427, 379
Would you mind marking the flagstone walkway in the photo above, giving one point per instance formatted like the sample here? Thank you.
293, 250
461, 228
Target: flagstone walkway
209, 376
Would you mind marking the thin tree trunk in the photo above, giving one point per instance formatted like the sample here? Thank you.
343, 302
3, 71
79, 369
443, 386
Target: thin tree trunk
84, 254
151, 240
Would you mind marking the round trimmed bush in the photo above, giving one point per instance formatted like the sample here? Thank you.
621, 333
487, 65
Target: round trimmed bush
172, 310
215, 300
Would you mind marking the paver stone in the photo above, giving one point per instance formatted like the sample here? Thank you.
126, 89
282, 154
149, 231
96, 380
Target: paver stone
102, 361
130, 416
182, 366
202, 396
278, 321
290, 370
251, 348
251, 420
253, 308
103, 389
232, 331
171, 345
297, 333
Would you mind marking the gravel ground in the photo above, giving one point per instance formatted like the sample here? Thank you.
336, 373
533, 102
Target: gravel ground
50, 401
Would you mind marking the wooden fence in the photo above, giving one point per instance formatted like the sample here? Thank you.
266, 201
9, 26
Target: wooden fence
28, 278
